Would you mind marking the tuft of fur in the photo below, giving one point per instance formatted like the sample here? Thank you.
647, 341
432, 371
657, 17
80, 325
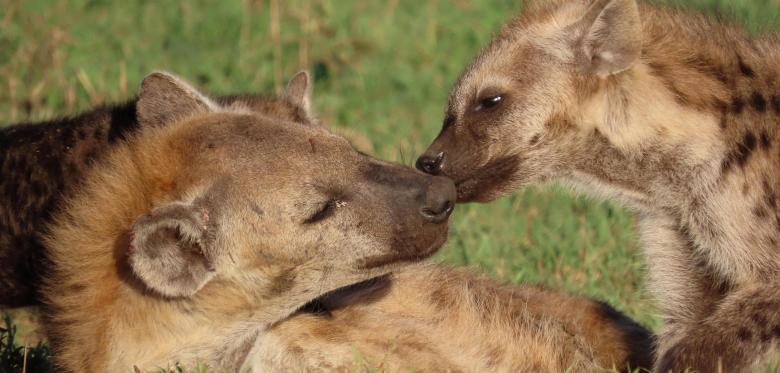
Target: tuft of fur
681, 124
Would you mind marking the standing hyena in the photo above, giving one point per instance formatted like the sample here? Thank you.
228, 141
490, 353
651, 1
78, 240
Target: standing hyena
40, 162
673, 114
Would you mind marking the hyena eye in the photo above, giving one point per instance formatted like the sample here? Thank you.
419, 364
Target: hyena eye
324, 211
489, 102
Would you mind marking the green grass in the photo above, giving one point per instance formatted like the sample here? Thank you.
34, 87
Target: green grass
382, 71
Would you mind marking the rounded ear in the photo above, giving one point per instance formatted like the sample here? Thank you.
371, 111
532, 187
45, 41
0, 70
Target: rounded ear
169, 250
165, 98
612, 37
298, 92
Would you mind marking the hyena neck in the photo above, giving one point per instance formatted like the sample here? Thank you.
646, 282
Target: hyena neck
691, 132
640, 146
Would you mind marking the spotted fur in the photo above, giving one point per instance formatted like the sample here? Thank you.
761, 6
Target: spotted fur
671, 113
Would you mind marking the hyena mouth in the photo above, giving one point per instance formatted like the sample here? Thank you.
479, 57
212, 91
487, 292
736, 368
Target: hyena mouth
405, 253
490, 181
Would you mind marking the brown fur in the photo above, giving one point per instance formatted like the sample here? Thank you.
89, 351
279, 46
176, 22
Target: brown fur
673, 114
435, 318
41, 162
222, 198
190, 239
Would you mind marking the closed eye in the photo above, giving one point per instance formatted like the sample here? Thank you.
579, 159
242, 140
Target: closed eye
323, 212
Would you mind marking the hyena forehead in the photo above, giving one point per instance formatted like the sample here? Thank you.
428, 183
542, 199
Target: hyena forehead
514, 62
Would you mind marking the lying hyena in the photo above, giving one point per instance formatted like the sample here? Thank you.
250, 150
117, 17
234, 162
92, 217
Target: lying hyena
39, 162
432, 318
195, 239
211, 224
675, 115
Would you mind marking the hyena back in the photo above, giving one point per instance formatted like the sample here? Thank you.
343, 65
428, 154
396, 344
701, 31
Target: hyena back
671, 113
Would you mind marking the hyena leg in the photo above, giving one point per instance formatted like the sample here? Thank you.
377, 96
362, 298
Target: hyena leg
678, 281
739, 336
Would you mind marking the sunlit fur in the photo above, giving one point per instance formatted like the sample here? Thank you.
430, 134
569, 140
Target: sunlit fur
103, 314
687, 135
435, 318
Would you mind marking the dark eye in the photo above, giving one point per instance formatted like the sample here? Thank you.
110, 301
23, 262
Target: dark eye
489, 102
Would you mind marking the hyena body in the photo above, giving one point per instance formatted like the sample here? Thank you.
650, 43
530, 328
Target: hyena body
434, 318
41, 162
197, 238
673, 114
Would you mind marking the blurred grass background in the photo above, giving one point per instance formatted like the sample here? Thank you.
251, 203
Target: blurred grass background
382, 73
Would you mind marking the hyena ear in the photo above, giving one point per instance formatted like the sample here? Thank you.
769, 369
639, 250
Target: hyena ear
165, 98
611, 39
169, 250
298, 92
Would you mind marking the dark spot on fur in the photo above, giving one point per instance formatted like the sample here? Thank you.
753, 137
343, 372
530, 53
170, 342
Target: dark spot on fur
745, 69
441, 299
737, 105
256, 208
535, 139
758, 319
744, 335
746, 148
760, 212
76, 287
282, 283
741, 153
766, 143
776, 104
758, 102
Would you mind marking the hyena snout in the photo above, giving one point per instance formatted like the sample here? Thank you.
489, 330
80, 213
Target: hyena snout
430, 162
439, 201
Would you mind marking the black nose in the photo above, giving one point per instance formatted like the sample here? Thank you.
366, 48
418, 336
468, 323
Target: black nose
439, 200
430, 164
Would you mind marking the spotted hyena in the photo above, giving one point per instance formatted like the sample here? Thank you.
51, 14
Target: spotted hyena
197, 237
674, 114
40, 162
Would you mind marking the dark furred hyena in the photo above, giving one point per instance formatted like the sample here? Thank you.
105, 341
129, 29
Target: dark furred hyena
39, 162
673, 114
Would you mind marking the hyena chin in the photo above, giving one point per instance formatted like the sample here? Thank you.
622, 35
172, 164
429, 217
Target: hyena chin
671, 113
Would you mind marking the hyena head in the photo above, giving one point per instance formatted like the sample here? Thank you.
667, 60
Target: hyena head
277, 207
522, 112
